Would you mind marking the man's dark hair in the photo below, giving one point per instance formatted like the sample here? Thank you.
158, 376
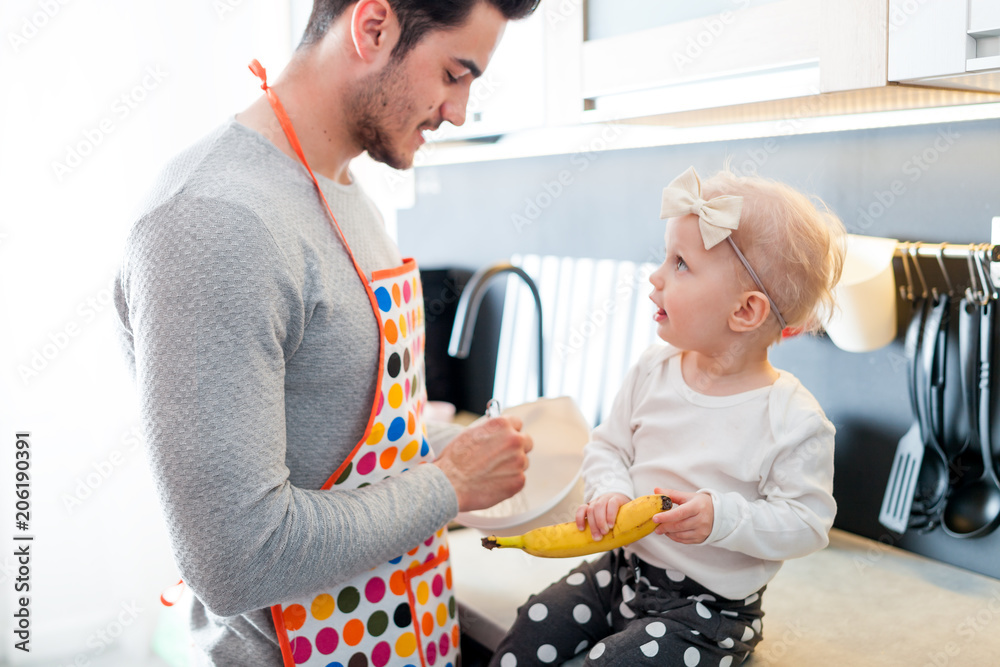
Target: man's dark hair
416, 18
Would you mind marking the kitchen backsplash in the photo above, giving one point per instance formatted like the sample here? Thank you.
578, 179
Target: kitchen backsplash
930, 183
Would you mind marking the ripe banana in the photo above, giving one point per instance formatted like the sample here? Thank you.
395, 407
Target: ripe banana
634, 521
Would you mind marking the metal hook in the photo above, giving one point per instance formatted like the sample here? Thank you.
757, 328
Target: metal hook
989, 289
972, 292
907, 292
944, 272
920, 273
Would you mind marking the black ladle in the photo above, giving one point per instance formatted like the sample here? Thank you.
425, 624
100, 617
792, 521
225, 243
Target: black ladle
973, 509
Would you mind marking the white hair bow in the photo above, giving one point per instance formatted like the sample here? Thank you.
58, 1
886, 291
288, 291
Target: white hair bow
717, 217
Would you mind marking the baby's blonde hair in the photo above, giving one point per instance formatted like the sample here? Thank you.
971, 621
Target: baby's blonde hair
796, 245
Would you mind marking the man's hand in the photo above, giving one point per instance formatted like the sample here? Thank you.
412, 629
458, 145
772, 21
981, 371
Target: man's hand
600, 513
691, 518
486, 463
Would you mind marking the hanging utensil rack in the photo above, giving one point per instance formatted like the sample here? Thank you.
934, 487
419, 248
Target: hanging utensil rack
979, 256
988, 251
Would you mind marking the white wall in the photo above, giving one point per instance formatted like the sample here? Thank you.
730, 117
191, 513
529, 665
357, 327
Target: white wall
95, 95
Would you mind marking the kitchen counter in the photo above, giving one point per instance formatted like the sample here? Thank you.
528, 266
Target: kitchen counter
857, 602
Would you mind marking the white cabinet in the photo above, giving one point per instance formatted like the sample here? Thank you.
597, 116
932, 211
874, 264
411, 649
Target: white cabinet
734, 56
665, 62
718, 53
946, 44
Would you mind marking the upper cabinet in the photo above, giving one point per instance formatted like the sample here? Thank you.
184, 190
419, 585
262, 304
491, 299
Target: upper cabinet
638, 58
947, 43
723, 61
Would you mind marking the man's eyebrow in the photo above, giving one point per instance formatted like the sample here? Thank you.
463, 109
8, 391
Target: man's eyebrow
471, 66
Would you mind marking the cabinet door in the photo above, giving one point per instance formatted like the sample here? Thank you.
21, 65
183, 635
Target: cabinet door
738, 51
928, 40
618, 18
984, 17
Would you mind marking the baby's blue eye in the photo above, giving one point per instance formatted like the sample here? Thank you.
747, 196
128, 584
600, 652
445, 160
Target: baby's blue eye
681, 264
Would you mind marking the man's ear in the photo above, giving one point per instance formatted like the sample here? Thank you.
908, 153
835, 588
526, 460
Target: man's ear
751, 312
374, 30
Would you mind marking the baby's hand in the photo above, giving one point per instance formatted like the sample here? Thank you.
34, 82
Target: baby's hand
600, 513
690, 520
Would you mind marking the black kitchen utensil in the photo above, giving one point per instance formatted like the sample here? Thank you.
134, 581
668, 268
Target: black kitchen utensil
956, 431
932, 480
898, 498
968, 467
957, 426
973, 509
966, 462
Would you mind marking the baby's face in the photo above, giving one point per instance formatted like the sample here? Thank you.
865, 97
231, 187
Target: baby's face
695, 290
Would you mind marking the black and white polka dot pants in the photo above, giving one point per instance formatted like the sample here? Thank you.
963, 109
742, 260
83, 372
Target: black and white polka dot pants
628, 614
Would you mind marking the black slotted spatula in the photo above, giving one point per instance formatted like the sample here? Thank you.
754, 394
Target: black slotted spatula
898, 498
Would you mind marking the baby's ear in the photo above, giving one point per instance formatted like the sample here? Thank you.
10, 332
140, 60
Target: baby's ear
752, 312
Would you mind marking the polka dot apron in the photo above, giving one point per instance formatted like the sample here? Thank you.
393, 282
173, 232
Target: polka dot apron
401, 613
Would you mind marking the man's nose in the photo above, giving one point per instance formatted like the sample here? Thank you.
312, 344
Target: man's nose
453, 109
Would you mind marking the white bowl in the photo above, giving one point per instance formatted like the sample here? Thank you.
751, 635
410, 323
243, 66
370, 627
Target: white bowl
553, 488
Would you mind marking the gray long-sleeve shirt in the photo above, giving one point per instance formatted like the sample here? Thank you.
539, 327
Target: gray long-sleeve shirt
255, 353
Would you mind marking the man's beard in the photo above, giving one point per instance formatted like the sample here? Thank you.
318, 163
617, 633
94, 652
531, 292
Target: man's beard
378, 101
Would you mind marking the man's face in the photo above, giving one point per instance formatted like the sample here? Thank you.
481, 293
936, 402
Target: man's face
392, 108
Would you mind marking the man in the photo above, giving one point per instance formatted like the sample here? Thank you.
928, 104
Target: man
267, 387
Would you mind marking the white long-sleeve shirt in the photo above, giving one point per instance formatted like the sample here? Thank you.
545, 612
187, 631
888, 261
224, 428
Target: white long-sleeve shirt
765, 456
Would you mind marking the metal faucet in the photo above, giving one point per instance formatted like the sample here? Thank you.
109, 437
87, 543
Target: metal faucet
468, 310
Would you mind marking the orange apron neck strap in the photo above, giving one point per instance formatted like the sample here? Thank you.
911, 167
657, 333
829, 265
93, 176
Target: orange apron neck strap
172, 594
279, 111
293, 140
